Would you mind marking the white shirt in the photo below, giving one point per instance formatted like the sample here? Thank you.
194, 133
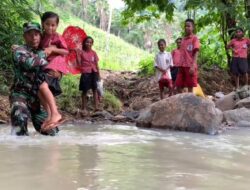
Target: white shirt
163, 60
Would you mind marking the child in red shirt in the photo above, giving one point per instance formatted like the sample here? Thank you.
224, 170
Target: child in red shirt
176, 55
239, 65
188, 72
90, 73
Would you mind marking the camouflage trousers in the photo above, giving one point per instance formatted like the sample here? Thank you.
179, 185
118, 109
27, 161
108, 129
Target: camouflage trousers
23, 108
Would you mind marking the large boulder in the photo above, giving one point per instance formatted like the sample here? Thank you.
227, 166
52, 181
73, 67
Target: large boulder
140, 103
185, 112
237, 116
227, 102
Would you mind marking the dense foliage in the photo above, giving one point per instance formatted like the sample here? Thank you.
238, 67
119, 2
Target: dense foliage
12, 14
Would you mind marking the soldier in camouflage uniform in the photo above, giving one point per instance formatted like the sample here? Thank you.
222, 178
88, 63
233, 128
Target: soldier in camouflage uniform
28, 60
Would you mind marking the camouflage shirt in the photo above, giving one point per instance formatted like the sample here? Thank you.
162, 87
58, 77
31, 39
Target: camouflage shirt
27, 62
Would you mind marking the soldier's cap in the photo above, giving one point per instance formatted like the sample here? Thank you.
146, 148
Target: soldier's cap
31, 26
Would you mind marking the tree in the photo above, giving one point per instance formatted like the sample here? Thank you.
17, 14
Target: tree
12, 16
140, 10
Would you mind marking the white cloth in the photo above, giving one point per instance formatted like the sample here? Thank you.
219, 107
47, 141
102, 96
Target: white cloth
163, 60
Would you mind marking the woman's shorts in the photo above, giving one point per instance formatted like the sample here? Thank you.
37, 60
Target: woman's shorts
88, 81
239, 66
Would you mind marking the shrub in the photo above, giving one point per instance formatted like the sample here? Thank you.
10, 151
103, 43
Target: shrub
147, 66
111, 102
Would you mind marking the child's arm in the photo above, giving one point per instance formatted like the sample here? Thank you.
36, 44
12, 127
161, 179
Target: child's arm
53, 49
97, 66
60, 51
248, 43
194, 64
158, 68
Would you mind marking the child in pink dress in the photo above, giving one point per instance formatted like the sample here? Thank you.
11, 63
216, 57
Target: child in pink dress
47, 84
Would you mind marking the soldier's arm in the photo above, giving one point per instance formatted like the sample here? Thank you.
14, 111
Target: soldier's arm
29, 60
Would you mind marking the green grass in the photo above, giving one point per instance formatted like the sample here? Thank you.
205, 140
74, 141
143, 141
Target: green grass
111, 102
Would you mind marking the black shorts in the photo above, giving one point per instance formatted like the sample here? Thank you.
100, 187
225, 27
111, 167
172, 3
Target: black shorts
53, 83
239, 66
88, 81
174, 72
248, 60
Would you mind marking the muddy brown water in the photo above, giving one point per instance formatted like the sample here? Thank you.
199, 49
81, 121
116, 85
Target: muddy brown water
119, 157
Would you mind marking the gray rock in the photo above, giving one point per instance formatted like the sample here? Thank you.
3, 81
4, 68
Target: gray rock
243, 103
185, 112
103, 114
228, 102
243, 124
132, 115
237, 115
219, 95
2, 122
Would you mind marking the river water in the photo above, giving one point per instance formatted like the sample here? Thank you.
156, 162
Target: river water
117, 157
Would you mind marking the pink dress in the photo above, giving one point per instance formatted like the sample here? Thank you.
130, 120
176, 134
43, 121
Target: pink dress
56, 62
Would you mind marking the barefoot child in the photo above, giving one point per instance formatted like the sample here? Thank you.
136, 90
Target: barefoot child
163, 62
90, 73
47, 83
188, 70
239, 65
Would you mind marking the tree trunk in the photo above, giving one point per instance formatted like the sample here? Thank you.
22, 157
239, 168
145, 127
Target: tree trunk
109, 26
84, 9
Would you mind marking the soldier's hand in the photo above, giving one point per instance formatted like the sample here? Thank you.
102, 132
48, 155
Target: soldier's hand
14, 47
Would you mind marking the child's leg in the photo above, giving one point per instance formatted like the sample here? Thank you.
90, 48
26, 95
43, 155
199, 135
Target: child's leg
161, 88
161, 93
45, 106
50, 101
84, 101
190, 89
171, 88
237, 81
245, 79
95, 96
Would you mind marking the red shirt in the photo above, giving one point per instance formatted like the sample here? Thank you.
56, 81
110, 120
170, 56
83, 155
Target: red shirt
176, 55
55, 40
89, 61
239, 47
189, 46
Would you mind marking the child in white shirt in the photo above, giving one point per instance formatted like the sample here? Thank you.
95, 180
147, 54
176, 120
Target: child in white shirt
163, 62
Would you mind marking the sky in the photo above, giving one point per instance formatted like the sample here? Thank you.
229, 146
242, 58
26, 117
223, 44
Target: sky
116, 3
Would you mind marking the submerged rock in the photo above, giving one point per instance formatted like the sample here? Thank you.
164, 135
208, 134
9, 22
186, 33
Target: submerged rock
185, 112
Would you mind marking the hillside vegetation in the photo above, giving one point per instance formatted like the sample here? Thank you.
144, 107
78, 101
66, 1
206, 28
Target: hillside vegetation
114, 53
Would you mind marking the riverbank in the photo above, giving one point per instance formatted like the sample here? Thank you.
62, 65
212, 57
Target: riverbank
133, 92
